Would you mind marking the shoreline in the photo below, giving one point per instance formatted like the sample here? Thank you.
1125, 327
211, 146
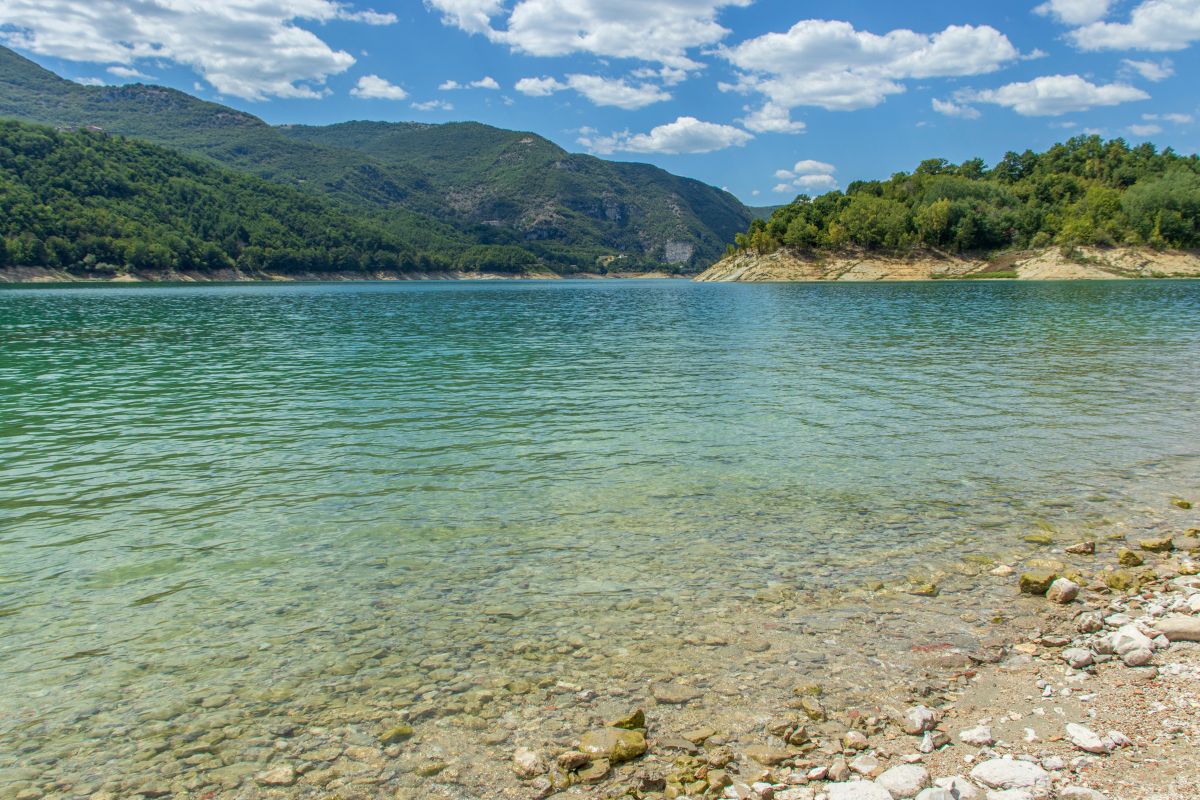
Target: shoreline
982, 660
37, 276
1097, 701
1082, 263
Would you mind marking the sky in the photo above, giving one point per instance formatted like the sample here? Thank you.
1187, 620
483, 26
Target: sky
765, 98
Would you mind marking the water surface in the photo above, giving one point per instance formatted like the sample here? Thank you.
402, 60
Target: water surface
336, 488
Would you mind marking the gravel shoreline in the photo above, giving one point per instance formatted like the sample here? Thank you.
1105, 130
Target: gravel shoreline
1102, 701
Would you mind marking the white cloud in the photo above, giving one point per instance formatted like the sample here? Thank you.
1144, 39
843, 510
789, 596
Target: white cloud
784, 187
807, 174
1074, 12
660, 32
1153, 71
772, 118
486, 82
1144, 130
373, 87
1054, 95
434, 105
616, 92
951, 109
670, 76
540, 87
252, 49
129, 72
601, 91
1178, 119
684, 135
1153, 25
472, 16
816, 182
832, 65
90, 81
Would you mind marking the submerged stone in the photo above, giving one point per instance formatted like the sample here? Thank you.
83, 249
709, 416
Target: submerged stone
1037, 582
615, 744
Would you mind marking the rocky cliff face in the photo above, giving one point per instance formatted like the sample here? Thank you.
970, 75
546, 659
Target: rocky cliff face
1092, 263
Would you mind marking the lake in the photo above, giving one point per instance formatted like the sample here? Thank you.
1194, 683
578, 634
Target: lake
230, 509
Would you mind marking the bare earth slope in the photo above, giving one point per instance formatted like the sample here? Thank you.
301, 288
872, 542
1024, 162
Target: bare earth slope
1052, 264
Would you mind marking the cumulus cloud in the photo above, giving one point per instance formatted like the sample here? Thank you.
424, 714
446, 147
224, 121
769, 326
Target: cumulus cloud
1153, 71
952, 109
599, 90
434, 105
1054, 95
684, 135
1075, 12
1178, 119
1143, 131
373, 87
1159, 25
806, 174
832, 65
130, 73
252, 49
772, 118
486, 82
662, 32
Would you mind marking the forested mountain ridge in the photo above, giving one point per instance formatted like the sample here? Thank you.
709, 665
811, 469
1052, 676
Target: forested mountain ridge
1083, 192
444, 188
94, 205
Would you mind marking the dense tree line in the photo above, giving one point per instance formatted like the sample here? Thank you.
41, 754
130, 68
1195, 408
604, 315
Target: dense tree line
1083, 192
87, 202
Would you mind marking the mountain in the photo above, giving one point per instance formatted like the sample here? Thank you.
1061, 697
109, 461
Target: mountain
447, 188
94, 205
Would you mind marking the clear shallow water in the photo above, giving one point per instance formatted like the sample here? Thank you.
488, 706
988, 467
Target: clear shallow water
338, 490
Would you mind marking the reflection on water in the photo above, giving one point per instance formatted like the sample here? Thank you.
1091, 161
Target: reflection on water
368, 494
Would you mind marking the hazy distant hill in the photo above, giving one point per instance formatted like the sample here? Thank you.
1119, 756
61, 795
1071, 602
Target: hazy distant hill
442, 187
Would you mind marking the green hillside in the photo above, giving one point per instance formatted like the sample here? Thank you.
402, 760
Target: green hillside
448, 187
1084, 192
97, 205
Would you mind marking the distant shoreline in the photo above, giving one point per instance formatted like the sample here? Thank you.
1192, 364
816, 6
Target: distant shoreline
1079, 263
47, 276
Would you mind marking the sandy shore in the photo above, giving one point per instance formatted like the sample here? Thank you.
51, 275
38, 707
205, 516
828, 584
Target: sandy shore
50, 276
1084, 263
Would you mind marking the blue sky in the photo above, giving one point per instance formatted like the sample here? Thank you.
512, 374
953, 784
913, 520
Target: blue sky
767, 98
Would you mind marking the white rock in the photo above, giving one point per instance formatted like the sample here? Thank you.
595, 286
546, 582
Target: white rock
1128, 638
1002, 773
1139, 657
960, 787
796, 793
919, 719
1119, 739
857, 790
1078, 657
934, 794
1053, 763
980, 736
1079, 793
1086, 739
1003, 571
1193, 603
528, 763
1011, 794
905, 780
1178, 628
1063, 591
866, 765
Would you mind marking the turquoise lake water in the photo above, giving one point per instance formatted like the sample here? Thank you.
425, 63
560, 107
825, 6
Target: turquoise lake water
207, 488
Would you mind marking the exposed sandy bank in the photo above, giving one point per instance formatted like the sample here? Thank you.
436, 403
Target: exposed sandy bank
1092, 263
46, 275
